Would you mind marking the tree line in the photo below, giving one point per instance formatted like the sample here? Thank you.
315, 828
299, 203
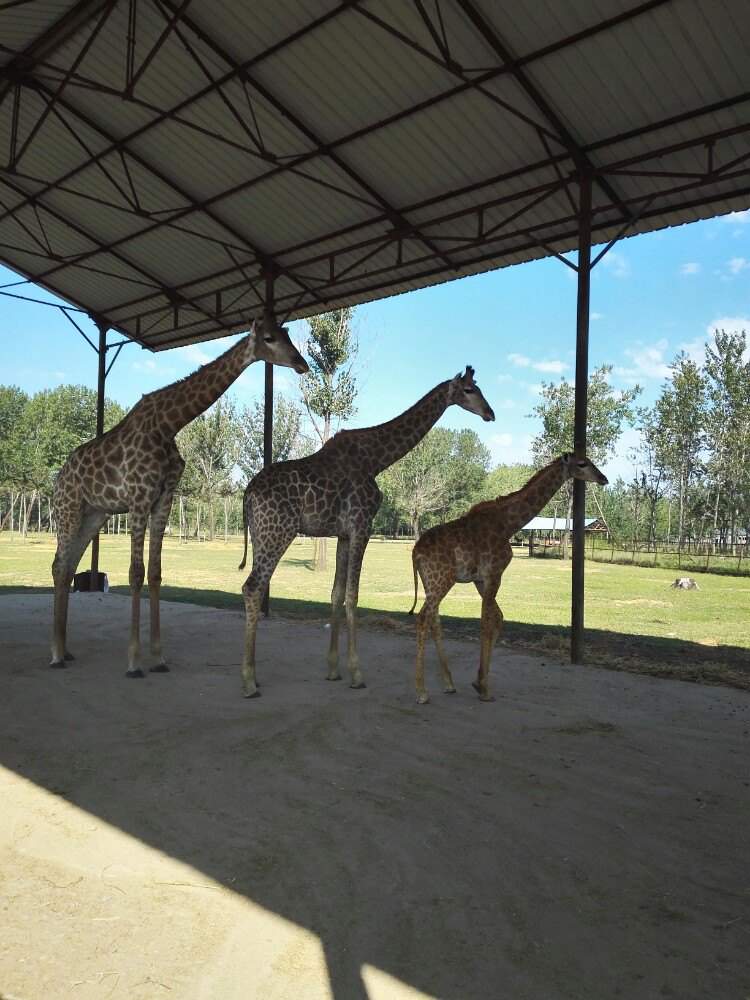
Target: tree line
689, 487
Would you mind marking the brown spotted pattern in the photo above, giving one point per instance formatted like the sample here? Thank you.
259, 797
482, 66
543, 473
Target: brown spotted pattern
476, 549
135, 468
334, 493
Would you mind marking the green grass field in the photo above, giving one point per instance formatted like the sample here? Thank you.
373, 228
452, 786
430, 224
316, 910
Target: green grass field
633, 618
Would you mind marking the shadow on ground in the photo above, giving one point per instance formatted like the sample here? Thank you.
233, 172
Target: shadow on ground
613, 650
550, 845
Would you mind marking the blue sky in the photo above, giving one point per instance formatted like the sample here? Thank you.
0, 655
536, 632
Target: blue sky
650, 297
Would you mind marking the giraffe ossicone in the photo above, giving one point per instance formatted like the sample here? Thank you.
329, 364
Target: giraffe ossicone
333, 493
134, 468
476, 549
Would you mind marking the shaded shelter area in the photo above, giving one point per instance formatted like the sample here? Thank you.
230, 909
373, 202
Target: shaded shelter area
584, 836
172, 168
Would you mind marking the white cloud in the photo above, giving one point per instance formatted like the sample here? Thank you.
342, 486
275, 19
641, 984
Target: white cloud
596, 315
196, 354
690, 268
150, 367
617, 264
737, 264
60, 375
730, 324
742, 217
551, 365
519, 359
558, 367
647, 361
509, 448
695, 349
507, 404
504, 378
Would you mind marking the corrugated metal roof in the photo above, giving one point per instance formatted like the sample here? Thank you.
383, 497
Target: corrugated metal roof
157, 161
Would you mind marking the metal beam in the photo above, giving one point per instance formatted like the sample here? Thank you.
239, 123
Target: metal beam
532, 91
100, 387
580, 418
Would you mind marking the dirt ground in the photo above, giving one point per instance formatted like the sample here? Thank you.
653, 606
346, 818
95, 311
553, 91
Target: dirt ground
585, 836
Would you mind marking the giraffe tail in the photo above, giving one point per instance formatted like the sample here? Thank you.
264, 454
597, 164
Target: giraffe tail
414, 558
245, 519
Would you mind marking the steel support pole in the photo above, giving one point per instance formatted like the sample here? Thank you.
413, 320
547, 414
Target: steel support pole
265, 604
101, 379
580, 419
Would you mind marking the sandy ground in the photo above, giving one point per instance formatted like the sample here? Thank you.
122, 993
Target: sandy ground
585, 836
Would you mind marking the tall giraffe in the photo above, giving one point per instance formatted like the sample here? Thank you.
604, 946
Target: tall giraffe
334, 492
135, 468
476, 549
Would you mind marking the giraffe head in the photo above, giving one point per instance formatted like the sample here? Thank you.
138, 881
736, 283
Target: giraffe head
580, 467
272, 344
467, 394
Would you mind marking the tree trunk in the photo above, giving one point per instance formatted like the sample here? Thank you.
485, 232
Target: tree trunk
415, 527
226, 521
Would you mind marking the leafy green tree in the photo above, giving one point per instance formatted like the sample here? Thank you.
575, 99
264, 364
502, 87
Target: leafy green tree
289, 441
209, 446
440, 478
680, 412
728, 429
330, 387
504, 479
608, 410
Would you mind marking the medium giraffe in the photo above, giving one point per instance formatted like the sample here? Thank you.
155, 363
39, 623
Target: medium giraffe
476, 549
135, 468
334, 492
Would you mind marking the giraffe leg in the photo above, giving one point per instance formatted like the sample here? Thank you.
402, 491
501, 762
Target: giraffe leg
424, 621
138, 520
448, 686
73, 537
492, 620
357, 546
265, 560
337, 601
159, 518
428, 620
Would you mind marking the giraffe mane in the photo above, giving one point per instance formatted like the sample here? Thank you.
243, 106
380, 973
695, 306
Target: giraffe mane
508, 498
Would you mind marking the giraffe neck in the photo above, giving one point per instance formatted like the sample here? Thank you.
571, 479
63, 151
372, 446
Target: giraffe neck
379, 447
181, 402
518, 508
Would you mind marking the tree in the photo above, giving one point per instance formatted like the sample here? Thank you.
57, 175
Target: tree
681, 414
608, 409
329, 388
419, 483
289, 441
443, 475
728, 428
13, 404
209, 444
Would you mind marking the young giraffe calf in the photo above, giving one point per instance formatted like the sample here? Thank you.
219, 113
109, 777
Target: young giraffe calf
476, 549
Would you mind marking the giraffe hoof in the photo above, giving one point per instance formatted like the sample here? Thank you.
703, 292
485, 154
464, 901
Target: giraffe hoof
159, 668
58, 664
134, 673
252, 694
423, 700
450, 691
69, 656
486, 697
358, 686
336, 678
